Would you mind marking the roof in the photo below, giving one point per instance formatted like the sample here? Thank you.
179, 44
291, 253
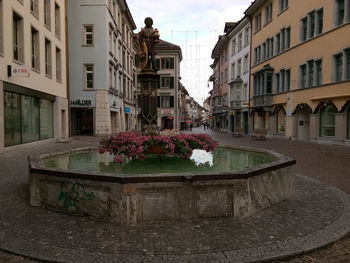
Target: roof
229, 26
253, 7
163, 45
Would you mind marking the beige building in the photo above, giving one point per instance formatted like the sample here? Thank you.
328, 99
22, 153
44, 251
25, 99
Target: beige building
33, 88
300, 69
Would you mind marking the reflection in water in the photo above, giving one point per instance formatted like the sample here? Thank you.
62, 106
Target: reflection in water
221, 160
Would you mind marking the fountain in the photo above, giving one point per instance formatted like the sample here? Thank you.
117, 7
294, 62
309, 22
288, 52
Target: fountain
229, 182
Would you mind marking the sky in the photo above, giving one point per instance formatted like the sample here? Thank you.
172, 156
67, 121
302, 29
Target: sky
194, 25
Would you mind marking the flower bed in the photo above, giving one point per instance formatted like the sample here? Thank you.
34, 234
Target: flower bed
135, 145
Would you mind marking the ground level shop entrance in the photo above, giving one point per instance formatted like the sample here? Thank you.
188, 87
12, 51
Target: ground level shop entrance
82, 121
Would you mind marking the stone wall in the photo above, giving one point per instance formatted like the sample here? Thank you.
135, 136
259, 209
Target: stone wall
132, 203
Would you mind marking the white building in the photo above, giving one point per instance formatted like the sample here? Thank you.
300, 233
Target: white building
239, 63
168, 58
33, 88
102, 72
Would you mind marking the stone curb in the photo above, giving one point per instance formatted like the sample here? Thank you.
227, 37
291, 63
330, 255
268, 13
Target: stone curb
36, 250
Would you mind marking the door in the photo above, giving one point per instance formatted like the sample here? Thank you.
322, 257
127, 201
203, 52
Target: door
82, 121
303, 127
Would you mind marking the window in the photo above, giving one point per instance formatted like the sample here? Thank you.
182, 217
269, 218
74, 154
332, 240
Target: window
239, 67
338, 61
268, 13
257, 52
166, 101
1, 30
311, 25
340, 9
47, 13
283, 81
34, 7
303, 76
239, 42
263, 83
57, 21
35, 49
110, 77
258, 22
233, 71
58, 65
226, 75
347, 58
327, 121
311, 73
245, 64
167, 63
89, 76
246, 36
282, 40
283, 5
219, 101
18, 45
281, 121
318, 75
88, 35
27, 119
167, 82
233, 47
48, 58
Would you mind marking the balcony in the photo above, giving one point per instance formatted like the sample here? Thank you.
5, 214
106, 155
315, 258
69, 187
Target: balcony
262, 100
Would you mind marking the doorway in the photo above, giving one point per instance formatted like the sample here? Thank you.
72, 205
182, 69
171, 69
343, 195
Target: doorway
82, 121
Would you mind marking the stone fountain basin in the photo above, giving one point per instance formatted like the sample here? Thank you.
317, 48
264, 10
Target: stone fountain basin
132, 199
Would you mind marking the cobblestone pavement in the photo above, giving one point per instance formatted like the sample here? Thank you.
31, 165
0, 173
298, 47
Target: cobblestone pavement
330, 164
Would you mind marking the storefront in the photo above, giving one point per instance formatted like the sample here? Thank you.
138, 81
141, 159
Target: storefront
31, 116
82, 117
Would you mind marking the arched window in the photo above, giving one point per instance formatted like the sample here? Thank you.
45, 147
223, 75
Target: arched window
281, 121
327, 121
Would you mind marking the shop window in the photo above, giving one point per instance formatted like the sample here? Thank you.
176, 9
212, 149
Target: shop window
12, 113
27, 119
281, 121
46, 120
30, 119
327, 121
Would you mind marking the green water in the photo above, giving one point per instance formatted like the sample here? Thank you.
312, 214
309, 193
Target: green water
221, 160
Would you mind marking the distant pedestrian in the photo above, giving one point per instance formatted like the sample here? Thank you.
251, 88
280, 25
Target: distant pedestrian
191, 126
204, 126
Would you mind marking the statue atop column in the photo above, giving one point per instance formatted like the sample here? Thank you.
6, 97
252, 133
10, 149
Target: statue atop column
148, 37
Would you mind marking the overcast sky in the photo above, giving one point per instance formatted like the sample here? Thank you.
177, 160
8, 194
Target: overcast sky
194, 25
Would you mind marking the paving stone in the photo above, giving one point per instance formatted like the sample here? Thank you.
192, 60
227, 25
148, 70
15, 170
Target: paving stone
314, 217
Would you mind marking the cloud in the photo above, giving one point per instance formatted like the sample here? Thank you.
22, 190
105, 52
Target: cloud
195, 26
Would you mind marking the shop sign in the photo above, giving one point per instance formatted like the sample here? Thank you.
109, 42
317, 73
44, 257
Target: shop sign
80, 102
127, 110
17, 71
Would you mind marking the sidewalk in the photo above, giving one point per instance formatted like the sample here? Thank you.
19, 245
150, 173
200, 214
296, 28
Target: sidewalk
317, 216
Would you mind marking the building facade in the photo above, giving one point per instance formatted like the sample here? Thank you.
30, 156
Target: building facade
101, 65
220, 99
33, 87
168, 58
300, 69
239, 50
